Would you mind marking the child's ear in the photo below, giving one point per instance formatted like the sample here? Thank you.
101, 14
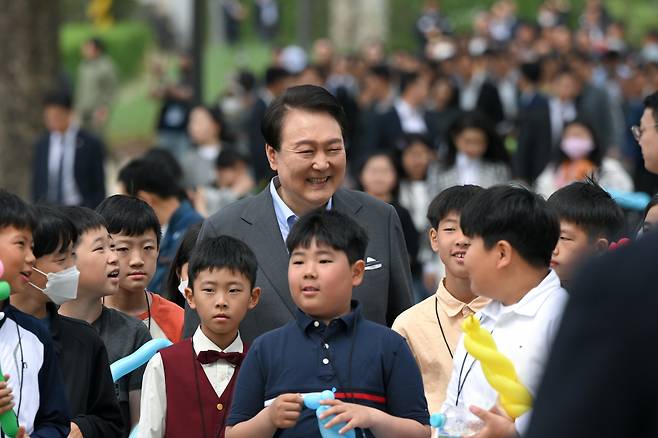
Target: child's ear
601, 245
503, 251
189, 296
358, 269
254, 298
433, 234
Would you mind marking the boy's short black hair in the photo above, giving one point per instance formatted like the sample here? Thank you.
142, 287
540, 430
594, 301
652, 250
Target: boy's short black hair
129, 215
331, 228
516, 215
223, 252
450, 200
14, 212
59, 99
151, 176
83, 219
54, 231
588, 206
229, 158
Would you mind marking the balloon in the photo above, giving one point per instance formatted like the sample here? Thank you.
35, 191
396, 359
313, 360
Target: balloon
498, 369
312, 401
4, 286
630, 200
8, 420
138, 358
135, 360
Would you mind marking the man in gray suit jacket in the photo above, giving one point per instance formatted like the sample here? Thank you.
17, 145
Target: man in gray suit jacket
303, 130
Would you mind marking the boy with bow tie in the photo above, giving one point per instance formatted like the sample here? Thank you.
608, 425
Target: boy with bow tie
199, 374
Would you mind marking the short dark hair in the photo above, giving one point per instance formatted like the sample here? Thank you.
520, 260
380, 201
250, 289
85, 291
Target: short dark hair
588, 206
229, 158
531, 71
407, 79
382, 71
162, 157
309, 98
149, 175
84, 219
223, 252
129, 215
450, 200
516, 215
332, 228
14, 212
182, 256
651, 102
275, 74
59, 99
54, 231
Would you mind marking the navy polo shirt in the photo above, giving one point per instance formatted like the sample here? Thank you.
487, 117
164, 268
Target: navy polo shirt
306, 355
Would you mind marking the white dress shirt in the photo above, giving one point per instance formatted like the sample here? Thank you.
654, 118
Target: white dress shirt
285, 217
524, 333
411, 119
154, 391
560, 114
62, 150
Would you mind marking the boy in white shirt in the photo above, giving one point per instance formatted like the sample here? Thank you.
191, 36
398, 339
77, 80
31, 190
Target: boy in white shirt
188, 387
513, 233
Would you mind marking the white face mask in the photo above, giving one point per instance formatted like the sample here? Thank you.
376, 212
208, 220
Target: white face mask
61, 286
182, 286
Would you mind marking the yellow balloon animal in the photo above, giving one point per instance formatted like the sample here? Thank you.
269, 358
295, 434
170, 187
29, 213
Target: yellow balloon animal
498, 369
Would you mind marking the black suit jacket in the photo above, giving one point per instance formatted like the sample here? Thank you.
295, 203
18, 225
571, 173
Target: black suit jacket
601, 379
535, 143
386, 288
89, 172
390, 133
489, 102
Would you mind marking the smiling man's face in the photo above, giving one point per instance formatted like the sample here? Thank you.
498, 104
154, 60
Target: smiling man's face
311, 161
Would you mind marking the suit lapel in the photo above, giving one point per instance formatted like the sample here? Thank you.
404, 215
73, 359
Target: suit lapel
344, 202
266, 241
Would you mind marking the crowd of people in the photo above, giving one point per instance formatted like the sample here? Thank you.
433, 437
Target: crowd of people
332, 227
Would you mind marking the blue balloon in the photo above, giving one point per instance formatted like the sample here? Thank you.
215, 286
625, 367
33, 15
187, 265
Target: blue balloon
138, 358
312, 401
630, 200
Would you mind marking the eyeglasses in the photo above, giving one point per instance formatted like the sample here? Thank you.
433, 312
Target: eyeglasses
637, 131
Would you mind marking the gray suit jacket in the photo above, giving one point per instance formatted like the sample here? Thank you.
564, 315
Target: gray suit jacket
384, 293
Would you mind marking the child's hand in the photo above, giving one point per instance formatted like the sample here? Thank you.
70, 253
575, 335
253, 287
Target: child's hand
352, 414
6, 398
285, 410
496, 424
21, 433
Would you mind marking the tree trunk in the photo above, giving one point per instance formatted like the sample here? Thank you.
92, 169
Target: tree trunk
28, 70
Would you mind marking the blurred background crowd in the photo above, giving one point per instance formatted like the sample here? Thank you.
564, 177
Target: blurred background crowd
437, 93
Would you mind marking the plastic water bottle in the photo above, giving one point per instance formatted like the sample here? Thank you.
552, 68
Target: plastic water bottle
455, 422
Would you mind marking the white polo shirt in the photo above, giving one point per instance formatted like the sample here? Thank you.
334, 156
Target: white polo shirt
524, 333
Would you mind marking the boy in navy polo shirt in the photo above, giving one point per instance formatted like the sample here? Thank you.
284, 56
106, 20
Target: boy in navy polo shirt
330, 345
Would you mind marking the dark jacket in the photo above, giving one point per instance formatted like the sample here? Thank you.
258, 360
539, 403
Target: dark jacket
183, 217
88, 169
87, 378
535, 140
601, 379
390, 133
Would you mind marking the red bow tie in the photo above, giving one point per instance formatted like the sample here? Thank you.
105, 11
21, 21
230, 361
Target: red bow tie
212, 356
